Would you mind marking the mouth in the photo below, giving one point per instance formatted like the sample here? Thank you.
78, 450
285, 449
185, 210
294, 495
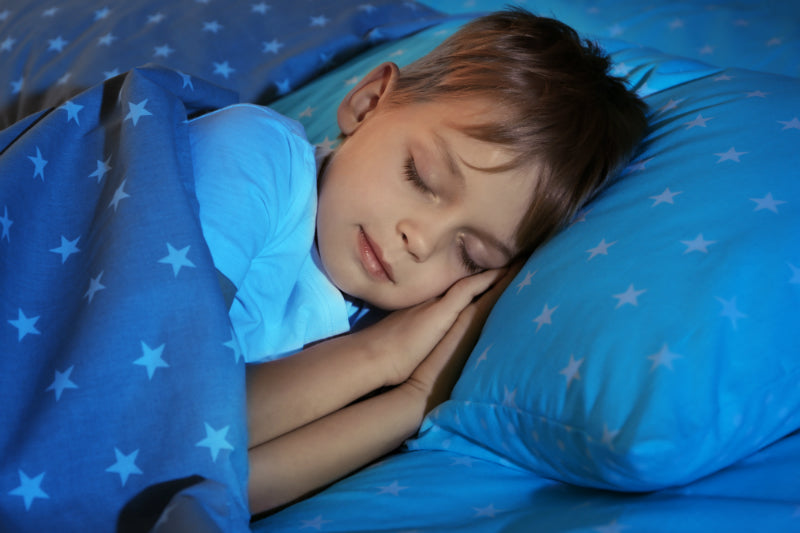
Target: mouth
372, 259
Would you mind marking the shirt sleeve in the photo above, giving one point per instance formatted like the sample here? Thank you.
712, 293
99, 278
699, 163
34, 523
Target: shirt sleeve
255, 184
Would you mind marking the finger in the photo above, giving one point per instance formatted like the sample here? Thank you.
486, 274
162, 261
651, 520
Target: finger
464, 291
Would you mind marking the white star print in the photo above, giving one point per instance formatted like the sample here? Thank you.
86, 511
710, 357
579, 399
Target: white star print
212, 26
609, 436
29, 489
730, 311
663, 357
72, 111
319, 22
234, 345
307, 112
223, 69
261, 8
484, 356
488, 511
7, 44
125, 465
6, 223
393, 489
38, 164
119, 195
108, 74
793, 124
525, 282
666, 197
57, 44
545, 317
326, 145
162, 51
16, 86
630, 296
699, 244
94, 286
101, 13
509, 398
315, 523
155, 18
61, 382
572, 370
49, 12
672, 104
768, 202
67, 248
187, 80
795, 274
215, 441
137, 111
757, 94
25, 325
730, 155
699, 121
283, 86
177, 258
106, 39
600, 249
274, 46
151, 359
102, 168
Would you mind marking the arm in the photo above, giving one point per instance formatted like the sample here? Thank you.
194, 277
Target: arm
285, 394
334, 445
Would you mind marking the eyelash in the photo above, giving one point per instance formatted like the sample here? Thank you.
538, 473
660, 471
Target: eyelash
413, 176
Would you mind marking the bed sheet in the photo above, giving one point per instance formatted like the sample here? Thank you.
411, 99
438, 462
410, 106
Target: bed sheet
119, 381
449, 492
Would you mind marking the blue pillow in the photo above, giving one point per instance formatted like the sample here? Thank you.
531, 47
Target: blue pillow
654, 341
751, 34
651, 342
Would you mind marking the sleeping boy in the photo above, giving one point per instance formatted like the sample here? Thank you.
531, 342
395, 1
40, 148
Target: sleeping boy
450, 170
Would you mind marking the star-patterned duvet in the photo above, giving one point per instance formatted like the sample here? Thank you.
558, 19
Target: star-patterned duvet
641, 374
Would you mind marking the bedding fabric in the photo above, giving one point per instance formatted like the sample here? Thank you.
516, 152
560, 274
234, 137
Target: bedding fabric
119, 381
51, 50
676, 355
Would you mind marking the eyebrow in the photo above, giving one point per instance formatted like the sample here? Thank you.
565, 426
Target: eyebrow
446, 154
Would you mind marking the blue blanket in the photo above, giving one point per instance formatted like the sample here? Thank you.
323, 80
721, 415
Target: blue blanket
120, 384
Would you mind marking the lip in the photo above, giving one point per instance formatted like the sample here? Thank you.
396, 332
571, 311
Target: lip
372, 258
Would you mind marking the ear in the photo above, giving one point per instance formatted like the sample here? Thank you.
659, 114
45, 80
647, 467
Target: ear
366, 96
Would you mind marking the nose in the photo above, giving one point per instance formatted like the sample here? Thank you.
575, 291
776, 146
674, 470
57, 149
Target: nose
419, 239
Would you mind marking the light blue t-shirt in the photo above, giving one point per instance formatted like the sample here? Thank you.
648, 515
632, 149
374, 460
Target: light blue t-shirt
255, 179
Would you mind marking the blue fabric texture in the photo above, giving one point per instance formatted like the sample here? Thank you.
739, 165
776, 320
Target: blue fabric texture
255, 176
652, 342
262, 50
761, 35
119, 370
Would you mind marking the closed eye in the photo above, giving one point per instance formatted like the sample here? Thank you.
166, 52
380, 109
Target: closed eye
471, 266
413, 176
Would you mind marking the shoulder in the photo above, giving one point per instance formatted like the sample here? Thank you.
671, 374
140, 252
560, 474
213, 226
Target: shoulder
241, 122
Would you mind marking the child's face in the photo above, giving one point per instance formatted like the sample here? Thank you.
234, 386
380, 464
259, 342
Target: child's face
404, 211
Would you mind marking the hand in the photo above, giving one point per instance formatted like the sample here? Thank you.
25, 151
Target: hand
404, 338
436, 376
